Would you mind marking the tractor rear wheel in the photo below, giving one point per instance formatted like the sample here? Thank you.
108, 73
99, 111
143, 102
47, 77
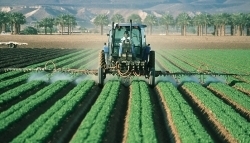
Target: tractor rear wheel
151, 67
151, 62
102, 63
101, 69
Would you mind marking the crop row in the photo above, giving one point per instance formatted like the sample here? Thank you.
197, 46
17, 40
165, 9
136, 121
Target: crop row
183, 123
92, 128
24, 57
74, 59
18, 91
219, 61
231, 93
228, 123
140, 125
243, 87
42, 128
208, 61
42, 64
20, 109
233, 97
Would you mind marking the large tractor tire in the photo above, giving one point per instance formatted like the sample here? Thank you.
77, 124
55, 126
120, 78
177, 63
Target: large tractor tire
151, 62
102, 59
101, 69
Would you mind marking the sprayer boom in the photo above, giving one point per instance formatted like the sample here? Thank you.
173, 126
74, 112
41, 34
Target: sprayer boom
73, 71
196, 73
95, 72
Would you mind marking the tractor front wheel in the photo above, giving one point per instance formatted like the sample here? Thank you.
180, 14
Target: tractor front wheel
100, 77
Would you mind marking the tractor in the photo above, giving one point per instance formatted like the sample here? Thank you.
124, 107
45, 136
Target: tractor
129, 56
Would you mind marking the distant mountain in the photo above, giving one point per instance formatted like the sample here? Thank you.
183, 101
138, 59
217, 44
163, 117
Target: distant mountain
86, 10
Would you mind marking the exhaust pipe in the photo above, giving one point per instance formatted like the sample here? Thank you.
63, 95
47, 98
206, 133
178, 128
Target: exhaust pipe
130, 29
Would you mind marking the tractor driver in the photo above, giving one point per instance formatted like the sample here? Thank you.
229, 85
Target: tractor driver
146, 52
126, 38
106, 52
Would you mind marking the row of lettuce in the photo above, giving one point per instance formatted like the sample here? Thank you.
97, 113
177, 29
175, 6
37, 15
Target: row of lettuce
217, 111
27, 56
14, 78
220, 61
42, 128
140, 123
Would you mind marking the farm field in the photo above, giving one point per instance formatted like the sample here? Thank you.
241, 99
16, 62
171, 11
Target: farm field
70, 107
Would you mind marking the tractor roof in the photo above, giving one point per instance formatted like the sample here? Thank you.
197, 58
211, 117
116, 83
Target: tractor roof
128, 24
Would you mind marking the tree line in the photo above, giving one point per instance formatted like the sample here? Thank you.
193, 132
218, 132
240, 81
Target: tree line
12, 22
238, 22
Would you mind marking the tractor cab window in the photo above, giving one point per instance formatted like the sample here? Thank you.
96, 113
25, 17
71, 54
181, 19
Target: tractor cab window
119, 33
135, 37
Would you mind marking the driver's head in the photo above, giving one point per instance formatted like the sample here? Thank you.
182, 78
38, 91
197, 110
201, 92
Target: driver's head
126, 34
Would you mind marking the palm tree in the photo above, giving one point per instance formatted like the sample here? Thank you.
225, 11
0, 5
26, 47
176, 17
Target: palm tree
135, 18
73, 23
197, 21
60, 20
216, 22
16, 19
248, 24
225, 19
183, 19
70, 21
201, 20
101, 20
240, 21
5, 19
167, 20
2, 15
151, 20
206, 20
50, 24
220, 21
47, 23
117, 18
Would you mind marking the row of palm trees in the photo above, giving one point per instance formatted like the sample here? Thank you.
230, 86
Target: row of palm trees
63, 20
15, 20
238, 22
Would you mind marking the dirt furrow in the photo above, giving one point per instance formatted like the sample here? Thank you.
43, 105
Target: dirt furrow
116, 126
160, 115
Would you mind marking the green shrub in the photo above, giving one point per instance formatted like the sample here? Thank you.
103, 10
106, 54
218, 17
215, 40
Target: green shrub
29, 31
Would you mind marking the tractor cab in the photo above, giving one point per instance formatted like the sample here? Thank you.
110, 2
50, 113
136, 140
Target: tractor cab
126, 41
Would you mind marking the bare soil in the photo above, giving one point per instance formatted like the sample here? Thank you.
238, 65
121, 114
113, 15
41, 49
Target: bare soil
156, 41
